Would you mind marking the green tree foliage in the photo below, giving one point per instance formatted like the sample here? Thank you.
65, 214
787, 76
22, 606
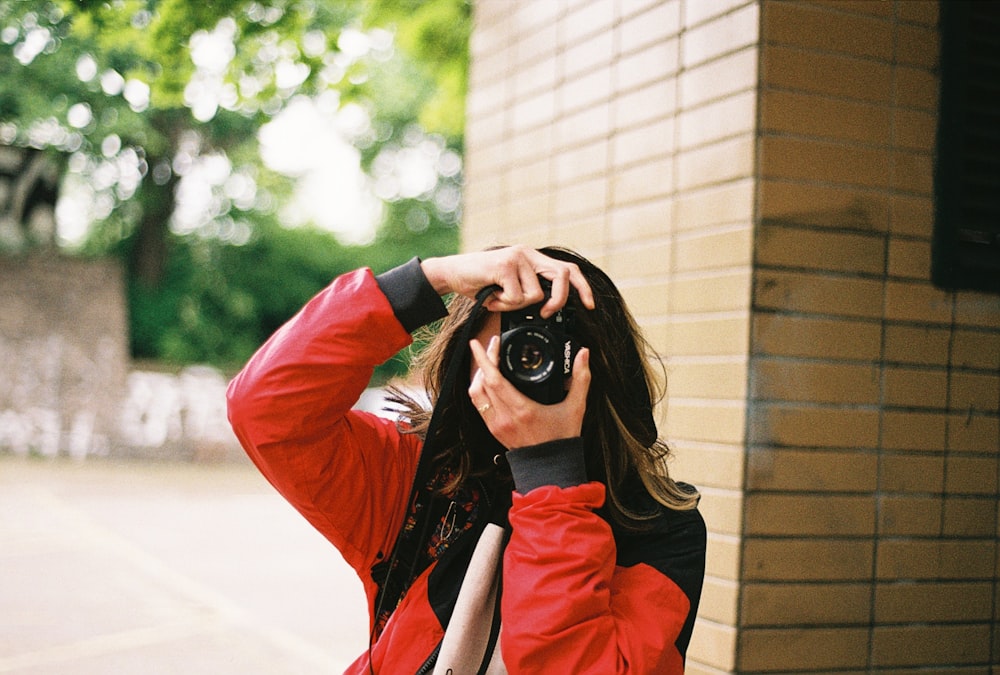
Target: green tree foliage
436, 34
139, 96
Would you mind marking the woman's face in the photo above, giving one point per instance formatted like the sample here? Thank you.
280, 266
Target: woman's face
490, 329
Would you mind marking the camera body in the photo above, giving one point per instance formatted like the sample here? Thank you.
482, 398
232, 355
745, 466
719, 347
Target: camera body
536, 354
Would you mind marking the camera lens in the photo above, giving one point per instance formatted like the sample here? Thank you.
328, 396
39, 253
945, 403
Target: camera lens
528, 355
531, 357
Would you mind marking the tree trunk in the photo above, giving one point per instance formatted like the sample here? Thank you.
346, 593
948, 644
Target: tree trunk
148, 258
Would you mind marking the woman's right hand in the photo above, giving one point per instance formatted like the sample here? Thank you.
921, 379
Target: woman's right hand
515, 269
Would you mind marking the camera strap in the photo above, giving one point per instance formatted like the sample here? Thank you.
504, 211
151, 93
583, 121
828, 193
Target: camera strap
448, 383
389, 575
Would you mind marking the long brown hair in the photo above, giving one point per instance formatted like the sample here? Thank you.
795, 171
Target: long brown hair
621, 442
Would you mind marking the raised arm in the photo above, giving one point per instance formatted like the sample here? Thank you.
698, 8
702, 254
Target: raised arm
588, 602
347, 472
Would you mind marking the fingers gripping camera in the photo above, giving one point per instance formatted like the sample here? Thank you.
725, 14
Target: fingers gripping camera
536, 354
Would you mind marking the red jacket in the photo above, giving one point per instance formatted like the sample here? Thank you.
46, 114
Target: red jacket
579, 596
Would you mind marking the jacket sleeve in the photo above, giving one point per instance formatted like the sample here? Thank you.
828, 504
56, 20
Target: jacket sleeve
577, 610
347, 472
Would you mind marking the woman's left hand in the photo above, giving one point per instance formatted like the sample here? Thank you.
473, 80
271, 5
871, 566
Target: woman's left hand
517, 421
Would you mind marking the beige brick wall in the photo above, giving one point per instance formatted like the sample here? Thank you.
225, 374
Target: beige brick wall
756, 176
626, 130
863, 376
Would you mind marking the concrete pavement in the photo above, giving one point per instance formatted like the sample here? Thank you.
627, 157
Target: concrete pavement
128, 567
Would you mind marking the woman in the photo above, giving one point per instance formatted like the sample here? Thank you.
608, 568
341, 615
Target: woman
494, 534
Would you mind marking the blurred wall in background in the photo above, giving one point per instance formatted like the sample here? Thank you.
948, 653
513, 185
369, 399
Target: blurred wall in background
63, 355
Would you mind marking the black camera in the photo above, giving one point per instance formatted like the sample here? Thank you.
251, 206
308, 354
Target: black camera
537, 354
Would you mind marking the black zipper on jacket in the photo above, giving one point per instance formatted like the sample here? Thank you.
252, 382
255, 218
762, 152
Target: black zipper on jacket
430, 662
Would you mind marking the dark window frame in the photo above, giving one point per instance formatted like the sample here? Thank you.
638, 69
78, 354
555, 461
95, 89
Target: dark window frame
966, 242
